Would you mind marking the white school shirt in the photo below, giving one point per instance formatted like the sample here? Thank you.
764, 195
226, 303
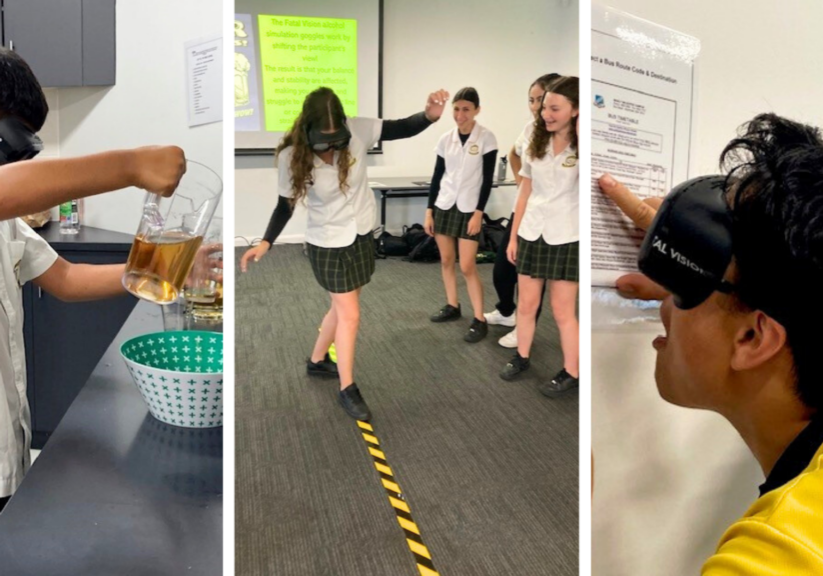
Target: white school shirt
553, 206
335, 217
464, 167
521, 146
24, 255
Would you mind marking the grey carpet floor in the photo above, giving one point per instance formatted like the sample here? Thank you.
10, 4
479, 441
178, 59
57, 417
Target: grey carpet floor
489, 468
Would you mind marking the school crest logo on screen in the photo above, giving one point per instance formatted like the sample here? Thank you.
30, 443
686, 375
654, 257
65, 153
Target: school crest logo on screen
599, 102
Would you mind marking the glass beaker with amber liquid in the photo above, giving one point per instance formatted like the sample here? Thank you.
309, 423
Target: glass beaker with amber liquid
204, 287
170, 234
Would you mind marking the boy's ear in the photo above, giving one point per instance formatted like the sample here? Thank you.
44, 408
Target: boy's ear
758, 339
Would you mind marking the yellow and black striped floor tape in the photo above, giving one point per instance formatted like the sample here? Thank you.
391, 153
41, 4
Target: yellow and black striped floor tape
419, 550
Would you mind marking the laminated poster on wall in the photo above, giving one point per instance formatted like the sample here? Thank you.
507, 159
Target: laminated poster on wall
643, 97
204, 80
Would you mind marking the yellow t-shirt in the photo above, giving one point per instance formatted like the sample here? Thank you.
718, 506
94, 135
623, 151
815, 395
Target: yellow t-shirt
780, 535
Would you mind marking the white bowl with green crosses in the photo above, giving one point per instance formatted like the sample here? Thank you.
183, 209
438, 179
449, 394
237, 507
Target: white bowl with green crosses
180, 375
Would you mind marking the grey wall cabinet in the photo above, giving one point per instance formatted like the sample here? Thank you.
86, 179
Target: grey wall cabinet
65, 341
66, 42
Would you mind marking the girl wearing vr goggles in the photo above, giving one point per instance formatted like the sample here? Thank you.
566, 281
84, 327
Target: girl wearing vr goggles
322, 162
505, 273
460, 188
544, 243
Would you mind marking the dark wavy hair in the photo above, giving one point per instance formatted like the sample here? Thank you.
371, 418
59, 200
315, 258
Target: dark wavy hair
775, 189
321, 109
569, 88
21, 96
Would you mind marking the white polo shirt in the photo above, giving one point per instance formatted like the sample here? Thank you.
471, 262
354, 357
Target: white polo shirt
335, 217
553, 206
464, 167
521, 145
24, 255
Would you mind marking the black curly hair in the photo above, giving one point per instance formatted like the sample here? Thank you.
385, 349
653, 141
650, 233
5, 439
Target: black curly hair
775, 189
21, 96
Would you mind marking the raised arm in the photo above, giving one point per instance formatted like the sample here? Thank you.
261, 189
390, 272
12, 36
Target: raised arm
416, 123
37, 185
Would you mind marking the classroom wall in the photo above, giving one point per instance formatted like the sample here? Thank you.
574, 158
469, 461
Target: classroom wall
497, 47
147, 105
670, 480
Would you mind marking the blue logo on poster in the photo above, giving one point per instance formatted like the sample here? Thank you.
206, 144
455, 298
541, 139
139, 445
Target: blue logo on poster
598, 101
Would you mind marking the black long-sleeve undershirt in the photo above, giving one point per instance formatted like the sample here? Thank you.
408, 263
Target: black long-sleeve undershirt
279, 218
489, 159
405, 127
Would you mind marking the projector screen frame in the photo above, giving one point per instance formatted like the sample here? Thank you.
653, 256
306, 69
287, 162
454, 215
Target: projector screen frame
378, 149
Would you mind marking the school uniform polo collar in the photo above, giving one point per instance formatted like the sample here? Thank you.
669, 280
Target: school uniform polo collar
473, 136
567, 151
319, 163
797, 456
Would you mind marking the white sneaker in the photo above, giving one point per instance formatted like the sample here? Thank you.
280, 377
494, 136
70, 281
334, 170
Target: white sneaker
497, 319
509, 340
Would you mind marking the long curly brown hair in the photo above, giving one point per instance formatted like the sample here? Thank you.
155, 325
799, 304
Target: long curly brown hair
568, 87
321, 109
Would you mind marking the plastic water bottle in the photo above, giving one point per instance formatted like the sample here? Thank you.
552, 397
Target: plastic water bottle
501, 168
69, 217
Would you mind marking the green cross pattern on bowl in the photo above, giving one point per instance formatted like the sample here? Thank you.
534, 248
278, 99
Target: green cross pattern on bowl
180, 376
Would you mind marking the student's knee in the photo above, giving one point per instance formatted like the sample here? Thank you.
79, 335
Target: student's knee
563, 312
468, 267
348, 315
447, 260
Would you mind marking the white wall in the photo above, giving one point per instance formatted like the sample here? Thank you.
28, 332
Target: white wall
669, 480
147, 105
497, 47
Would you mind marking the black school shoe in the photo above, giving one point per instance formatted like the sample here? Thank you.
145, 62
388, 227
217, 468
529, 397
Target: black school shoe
515, 366
477, 331
560, 384
325, 368
352, 402
446, 314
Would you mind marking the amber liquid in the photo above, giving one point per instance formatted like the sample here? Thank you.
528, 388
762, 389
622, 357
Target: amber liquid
206, 306
156, 270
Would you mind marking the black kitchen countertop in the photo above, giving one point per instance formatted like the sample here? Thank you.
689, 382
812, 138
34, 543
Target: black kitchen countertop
116, 492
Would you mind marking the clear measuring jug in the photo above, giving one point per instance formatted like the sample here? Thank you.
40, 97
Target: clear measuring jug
170, 234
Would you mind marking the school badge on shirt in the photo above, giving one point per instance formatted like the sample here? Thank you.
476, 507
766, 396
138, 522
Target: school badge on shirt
570, 162
474, 150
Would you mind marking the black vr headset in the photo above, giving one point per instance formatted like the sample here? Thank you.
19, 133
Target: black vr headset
320, 142
17, 142
688, 247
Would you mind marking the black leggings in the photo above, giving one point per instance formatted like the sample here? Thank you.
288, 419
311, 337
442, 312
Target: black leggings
505, 277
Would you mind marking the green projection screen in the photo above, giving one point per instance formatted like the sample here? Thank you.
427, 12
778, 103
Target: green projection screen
285, 49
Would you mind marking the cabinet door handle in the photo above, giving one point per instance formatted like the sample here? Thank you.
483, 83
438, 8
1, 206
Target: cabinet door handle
39, 292
11, 45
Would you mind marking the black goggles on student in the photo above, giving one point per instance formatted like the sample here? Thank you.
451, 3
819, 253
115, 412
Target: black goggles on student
688, 247
321, 142
17, 142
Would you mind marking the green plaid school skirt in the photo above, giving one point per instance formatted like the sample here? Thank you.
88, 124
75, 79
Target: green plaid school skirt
454, 223
341, 270
540, 260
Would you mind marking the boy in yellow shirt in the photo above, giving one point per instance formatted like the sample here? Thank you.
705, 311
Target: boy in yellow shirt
738, 262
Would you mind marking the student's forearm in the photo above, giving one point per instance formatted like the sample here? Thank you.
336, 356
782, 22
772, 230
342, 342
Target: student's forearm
516, 164
37, 185
84, 282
